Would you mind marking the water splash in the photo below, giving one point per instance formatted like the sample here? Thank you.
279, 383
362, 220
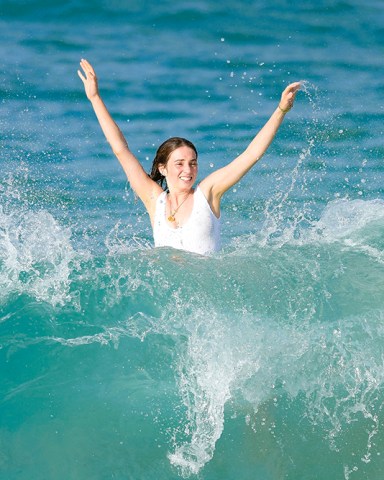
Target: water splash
206, 372
291, 323
318, 353
35, 257
282, 216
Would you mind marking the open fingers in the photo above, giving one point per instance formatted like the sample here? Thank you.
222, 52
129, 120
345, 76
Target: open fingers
288, 96
87, 68
292, 88
81, 76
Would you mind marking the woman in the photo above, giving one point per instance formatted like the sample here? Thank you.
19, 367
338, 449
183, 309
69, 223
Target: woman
182, 216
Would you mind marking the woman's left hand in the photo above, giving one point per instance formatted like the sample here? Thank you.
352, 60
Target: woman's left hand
288, 97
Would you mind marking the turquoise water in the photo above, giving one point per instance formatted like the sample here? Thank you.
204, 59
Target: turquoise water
120, 361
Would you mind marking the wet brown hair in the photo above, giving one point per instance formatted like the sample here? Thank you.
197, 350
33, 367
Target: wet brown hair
162, 155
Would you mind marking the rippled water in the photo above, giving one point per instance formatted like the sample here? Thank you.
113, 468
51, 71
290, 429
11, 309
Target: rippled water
121, 361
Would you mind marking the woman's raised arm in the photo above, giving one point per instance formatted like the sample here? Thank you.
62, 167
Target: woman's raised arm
141, 183
218, 182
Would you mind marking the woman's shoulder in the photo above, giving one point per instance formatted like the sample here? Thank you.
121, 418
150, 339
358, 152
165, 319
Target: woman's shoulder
206, 188
203, 188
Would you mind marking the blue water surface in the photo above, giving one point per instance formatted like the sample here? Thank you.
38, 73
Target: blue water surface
121, 361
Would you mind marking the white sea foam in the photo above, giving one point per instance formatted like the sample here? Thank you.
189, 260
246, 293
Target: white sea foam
335, 369
314, 349
346, 218
35, 256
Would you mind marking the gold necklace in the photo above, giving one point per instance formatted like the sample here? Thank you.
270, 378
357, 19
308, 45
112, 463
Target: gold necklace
171, 217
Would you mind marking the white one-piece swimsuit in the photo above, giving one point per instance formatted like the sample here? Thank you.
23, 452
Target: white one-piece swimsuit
200, 233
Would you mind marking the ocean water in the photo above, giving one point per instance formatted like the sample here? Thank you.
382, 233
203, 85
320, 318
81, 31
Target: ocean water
121, 361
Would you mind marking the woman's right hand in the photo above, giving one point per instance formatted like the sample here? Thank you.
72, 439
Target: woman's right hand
89, 80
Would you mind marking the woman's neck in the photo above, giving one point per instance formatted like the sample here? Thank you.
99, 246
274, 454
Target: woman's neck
178, 197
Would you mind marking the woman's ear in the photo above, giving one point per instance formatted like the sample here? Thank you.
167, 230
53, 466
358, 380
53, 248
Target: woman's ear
162, 170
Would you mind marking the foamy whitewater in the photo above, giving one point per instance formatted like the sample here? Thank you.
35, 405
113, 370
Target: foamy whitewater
121, 361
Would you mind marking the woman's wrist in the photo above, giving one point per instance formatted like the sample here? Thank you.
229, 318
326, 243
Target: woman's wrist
95, 98
284, 110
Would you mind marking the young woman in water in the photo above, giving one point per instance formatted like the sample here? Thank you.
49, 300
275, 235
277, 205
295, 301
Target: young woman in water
182, 216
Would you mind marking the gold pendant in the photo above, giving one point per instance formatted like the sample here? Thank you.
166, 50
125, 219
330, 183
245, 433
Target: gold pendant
171, 218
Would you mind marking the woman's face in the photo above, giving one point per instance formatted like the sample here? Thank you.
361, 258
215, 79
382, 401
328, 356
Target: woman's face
180, 170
